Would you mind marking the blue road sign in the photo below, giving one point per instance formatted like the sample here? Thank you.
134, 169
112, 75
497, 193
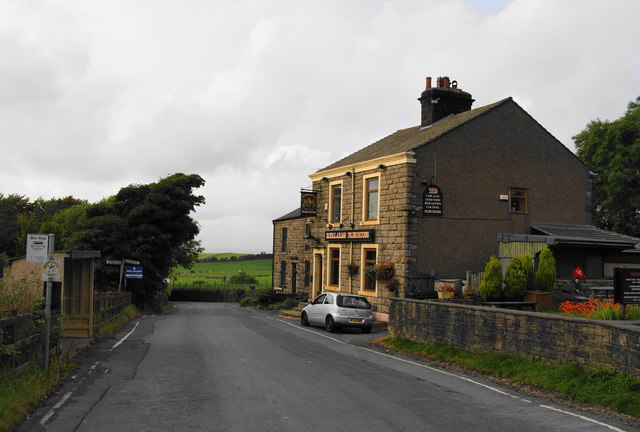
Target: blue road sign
133, 272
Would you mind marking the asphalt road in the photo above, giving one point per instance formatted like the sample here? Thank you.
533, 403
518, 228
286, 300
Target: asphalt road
218, 367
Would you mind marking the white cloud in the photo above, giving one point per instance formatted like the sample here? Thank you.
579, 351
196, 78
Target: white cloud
255, 95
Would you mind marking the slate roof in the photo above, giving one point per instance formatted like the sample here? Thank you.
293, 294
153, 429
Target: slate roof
408, 139
584, 234
297, 213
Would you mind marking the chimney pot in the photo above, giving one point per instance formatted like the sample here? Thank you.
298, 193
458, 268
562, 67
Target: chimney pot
439, 82
446, 82
428, 83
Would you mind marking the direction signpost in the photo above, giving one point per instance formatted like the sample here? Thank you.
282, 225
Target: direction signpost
122, 263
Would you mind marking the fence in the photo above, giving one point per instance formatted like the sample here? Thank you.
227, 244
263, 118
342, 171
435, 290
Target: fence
109, 304
21, 341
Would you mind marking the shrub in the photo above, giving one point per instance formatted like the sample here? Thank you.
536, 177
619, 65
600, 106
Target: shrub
263, 295
546, 275
515, 278
290, 303
491, 285
242, 278
527, 263
248, 301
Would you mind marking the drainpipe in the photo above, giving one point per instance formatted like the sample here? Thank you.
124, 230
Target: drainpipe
353, 221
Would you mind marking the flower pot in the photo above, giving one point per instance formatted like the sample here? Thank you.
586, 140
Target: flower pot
543, 299
445, 294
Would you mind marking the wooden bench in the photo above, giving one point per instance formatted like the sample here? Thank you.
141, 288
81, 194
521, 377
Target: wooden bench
512, 305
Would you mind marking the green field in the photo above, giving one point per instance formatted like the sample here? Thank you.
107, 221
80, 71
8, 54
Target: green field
213, 274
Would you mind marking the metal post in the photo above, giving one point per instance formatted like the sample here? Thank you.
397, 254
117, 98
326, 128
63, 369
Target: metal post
47, 308
121, 272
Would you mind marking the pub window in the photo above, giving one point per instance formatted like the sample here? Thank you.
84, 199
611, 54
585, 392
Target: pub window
518, 200
369, 259
371, 194
284, 239
334, 267
283, 274
335, 203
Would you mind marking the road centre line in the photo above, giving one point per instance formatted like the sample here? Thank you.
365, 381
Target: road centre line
613, 428
117, 344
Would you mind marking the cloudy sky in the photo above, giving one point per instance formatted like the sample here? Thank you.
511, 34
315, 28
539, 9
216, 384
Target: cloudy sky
254, 95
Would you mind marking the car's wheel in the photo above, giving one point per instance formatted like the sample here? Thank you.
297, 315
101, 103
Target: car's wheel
304, 319
366, 329
331, 324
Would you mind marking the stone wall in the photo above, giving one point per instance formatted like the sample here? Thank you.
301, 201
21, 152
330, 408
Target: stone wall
589, 343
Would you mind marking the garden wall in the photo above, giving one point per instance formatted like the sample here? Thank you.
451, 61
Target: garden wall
590, 343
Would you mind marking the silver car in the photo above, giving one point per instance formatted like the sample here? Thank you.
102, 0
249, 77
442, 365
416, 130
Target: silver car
335, 310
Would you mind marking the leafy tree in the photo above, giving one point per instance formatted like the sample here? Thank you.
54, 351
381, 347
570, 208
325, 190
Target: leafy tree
612, 150
491, 285
11, 207
150, 223
546, 275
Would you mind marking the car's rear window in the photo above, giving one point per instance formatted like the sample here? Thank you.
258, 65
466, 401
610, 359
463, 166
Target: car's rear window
353, 302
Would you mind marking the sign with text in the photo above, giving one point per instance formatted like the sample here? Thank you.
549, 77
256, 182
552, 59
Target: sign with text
432, 201
626, 285
133, 272
309, 203
351, 236
37, 248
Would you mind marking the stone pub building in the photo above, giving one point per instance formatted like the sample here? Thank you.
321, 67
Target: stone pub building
437, 200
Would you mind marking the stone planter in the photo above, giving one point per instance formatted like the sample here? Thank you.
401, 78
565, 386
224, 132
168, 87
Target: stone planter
543, 299
445, 294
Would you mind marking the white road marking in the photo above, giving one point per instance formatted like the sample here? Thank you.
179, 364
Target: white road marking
125, 337
613, 428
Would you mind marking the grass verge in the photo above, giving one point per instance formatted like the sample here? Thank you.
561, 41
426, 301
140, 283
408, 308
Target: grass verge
619, 392
20, 393
111, 326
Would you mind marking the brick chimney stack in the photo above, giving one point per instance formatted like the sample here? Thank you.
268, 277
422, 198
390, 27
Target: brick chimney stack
443, 100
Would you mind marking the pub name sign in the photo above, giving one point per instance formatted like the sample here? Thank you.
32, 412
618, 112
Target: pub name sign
349, 236
309, 202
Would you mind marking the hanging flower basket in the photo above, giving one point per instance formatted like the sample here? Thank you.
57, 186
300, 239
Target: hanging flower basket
385, 271
353, 268
393, 284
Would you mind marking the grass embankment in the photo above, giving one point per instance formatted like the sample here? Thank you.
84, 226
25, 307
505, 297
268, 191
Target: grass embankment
111, 326
217, 274
20, 393
604, 388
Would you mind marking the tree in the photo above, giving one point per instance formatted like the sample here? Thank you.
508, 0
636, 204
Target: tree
491, 285
612, 150
546, 274
150, 223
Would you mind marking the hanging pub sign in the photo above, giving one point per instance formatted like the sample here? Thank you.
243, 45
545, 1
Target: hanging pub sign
626, 287
349, 236
432, 201
309, 202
